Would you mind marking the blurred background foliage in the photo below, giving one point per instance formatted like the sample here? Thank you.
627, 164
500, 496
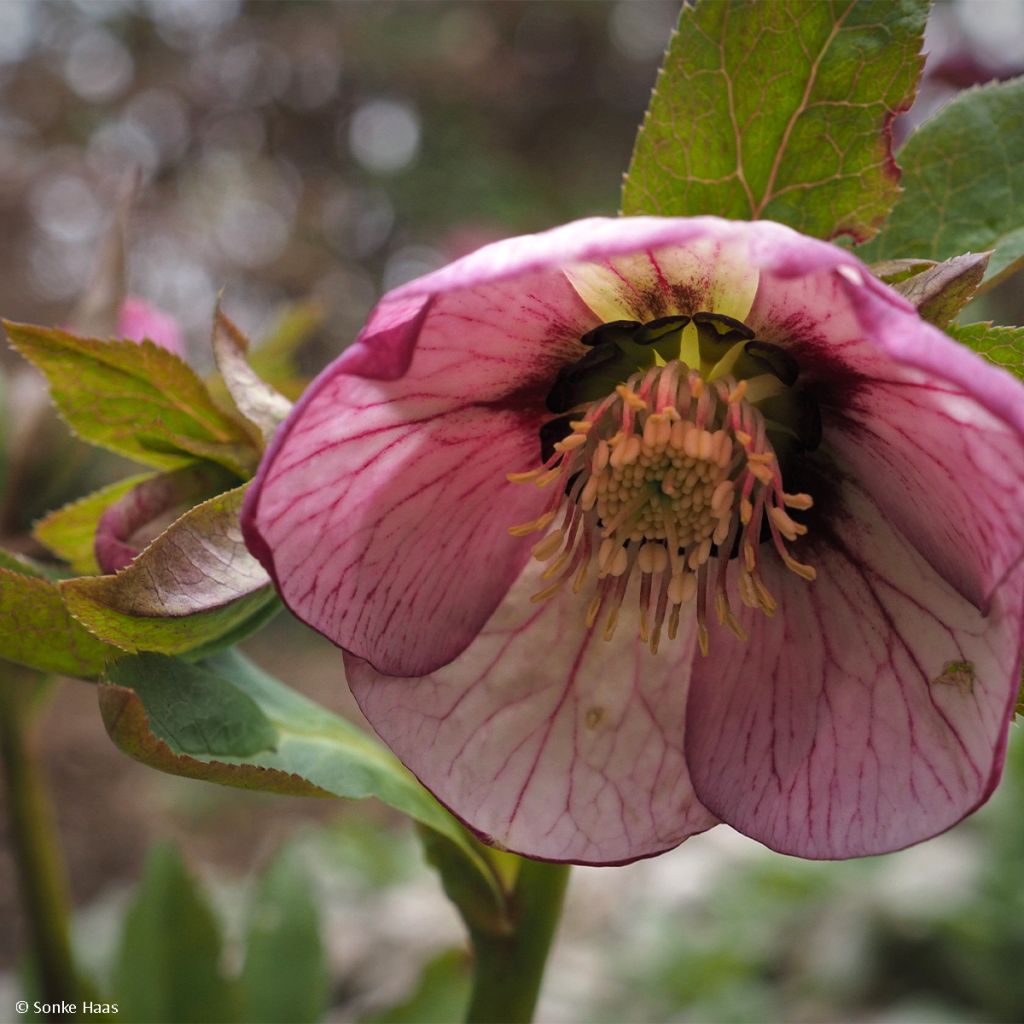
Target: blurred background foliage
309, 156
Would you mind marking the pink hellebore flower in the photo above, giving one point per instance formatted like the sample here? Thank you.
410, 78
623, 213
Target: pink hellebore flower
137, 320
643, 524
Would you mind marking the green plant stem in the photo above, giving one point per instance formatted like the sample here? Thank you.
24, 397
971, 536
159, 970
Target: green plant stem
508, 969
40, 867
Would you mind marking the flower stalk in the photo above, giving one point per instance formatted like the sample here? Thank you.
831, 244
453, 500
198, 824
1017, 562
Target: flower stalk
41, 872
509, 968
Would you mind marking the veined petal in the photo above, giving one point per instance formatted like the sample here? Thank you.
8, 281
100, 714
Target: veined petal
931, 430
363, 515
546, 739
918, 446
381, 507
708, 274
871, 715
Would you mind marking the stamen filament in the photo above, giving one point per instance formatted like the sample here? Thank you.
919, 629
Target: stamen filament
673, 478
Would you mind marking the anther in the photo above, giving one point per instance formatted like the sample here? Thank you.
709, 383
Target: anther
808, 572
571, 442
549, 545
798, 501
702, 638
524, 478
749, 556
786, 526
631, 398
672, 476
524, 529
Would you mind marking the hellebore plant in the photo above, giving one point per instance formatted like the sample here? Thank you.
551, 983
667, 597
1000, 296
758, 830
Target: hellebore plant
625, 529
641, 524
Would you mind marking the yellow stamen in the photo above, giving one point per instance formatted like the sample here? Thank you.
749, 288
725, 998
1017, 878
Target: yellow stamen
669, 486
808, 572
737, 393
798, 501
549, 545
524, 478
524, 529
631, 398
567, 444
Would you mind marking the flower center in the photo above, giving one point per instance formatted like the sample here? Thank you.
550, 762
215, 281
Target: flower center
672, 475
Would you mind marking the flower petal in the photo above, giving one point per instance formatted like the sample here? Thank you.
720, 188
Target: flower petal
544, 738
870, 713
363, 516
382, 509
708, 274
929, 428
949, 475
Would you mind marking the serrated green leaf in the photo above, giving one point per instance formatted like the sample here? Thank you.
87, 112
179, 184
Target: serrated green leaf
136, 399
963, 183
317, 753
894, 271
941, 291
780, 109
195, 583
70, 532
195, 712
285, 976
168, 966
37, 630
1003, 346
261, 404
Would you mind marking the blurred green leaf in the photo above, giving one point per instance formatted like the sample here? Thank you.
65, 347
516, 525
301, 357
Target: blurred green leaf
1003, 346
70, 532
37, 630
195, 583
136, 399
441, 995
168, 966
27, 566
780, 109
941, 291
255, 399
963, 178
285, 976
317, 753
274, 359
